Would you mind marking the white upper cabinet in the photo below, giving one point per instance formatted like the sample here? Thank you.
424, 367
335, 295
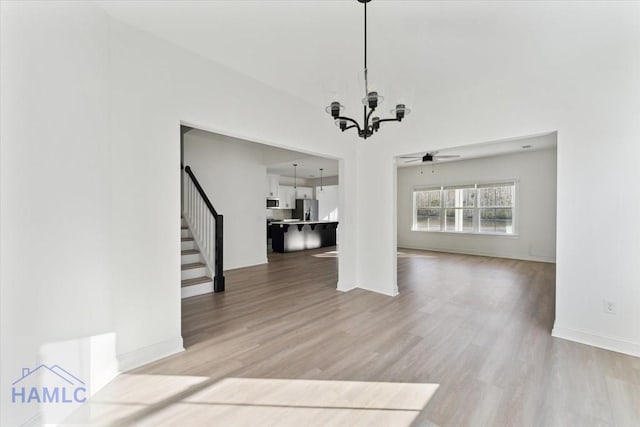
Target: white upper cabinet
273, 182
305, 193
287, 197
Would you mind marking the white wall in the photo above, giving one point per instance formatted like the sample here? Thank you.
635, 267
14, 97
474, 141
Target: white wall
327, 180
232, 174
289, 181
56, 281
588, 89
536, 214
152, 93
91, 113
328, 198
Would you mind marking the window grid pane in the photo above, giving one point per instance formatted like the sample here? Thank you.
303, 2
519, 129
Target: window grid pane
485, 208
496, 220
496, 196
428, 219
459, 197
460, 220
427, 199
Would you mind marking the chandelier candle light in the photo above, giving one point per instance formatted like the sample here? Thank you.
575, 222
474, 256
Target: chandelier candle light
370, 101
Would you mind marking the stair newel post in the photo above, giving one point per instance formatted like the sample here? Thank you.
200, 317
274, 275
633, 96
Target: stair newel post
218, 280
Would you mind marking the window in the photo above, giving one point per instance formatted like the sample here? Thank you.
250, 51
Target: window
495, 205
473, 208
458, 213
428, 209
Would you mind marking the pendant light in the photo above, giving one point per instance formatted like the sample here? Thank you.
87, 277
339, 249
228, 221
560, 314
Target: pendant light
295, 187
321, 189
371, 101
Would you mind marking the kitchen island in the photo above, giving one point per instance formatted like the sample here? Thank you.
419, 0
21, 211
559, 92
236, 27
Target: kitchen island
289, 236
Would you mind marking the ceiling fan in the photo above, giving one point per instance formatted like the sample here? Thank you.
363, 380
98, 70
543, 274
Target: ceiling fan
429, 157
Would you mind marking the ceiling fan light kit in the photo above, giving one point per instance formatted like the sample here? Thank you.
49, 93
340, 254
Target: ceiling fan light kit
429, 157
371, 101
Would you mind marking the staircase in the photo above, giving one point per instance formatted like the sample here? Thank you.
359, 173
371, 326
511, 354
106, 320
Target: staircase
196, 277
202, 240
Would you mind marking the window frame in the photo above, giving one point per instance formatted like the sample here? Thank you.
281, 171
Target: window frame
415, 209
455, 208
476, 208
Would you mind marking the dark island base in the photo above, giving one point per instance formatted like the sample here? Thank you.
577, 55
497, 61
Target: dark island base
298, 236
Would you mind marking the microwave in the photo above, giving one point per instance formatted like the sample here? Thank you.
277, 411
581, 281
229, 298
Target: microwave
273, 203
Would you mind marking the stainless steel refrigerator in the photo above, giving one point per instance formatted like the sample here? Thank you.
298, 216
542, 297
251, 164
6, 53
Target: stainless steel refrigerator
306, 210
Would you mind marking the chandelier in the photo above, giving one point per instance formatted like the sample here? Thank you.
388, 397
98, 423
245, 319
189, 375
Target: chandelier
371, 101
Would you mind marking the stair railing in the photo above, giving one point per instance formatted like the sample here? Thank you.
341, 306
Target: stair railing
206, 224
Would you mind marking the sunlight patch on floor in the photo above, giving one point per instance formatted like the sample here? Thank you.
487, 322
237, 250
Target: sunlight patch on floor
181, 400
129, 395
329, 254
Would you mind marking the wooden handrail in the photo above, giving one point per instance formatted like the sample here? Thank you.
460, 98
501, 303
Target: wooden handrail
206, 200
218, 279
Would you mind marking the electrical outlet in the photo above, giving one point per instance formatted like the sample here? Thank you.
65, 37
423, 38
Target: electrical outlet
610, 307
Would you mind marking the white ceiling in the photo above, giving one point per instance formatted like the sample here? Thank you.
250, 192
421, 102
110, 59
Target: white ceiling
488, 149
280, 161
308, 167
313, 49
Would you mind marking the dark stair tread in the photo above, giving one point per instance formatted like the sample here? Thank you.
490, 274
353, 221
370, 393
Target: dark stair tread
195, 281
189, 252
186, 239
193, 265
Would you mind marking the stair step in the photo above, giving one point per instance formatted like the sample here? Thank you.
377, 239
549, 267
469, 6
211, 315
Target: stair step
189, 252
186, 239
193, 265
184, 228
195, 281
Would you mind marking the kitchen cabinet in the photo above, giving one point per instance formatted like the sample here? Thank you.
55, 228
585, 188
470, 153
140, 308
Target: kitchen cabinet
305, 193
273, 182
287, 197
289, 236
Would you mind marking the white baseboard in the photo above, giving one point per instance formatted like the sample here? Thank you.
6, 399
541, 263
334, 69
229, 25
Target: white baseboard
595, 340
345, 288
480, 253
389, 294
142, 356
251, 263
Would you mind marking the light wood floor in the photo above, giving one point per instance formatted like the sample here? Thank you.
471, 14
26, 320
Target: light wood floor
479, 327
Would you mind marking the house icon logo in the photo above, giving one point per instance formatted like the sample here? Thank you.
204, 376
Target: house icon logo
48, 384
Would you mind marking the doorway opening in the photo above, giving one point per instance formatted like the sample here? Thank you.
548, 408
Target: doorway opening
482, 204
281, 214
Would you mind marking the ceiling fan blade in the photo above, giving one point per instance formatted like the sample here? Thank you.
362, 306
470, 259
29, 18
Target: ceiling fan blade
411, 161
410, 157
448, 156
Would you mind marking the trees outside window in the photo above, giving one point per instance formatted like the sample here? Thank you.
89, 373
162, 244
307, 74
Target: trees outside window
473, 208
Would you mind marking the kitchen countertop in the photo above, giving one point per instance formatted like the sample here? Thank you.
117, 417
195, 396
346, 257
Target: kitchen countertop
303, 222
